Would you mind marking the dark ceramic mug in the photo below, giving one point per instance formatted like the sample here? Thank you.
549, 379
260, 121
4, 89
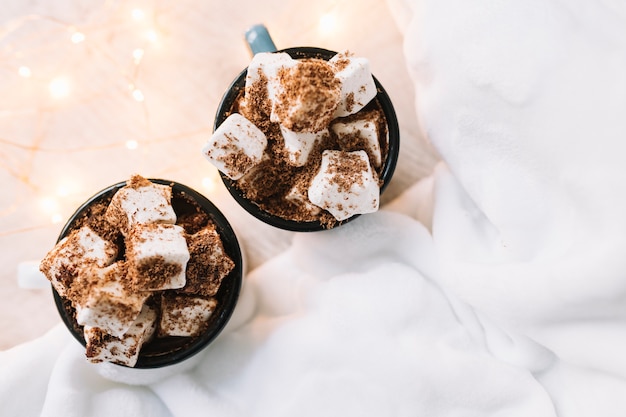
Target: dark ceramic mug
161, 352
259, 41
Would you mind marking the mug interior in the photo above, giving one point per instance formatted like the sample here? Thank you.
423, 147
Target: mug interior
170, 350
393, 139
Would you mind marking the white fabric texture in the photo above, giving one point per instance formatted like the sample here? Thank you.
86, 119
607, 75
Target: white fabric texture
495, 287
525, 102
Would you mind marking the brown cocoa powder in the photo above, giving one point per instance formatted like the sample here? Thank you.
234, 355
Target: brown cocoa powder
192, 218
268, 183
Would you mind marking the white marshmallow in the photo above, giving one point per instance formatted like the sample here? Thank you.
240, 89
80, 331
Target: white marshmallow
345, 184
363, 129
183, 315
357, 84
125, 349
108, 303
157, 256
81, 249
141, 202
300, 144
236, 146
269, 64
313, 96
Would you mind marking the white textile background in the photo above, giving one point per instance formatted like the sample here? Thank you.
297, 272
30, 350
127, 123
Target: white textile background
495, 287
525, 102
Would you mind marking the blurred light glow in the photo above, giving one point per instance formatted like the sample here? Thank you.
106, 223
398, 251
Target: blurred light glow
24, 72
56, 218
67, 186
138, 55
59, 87
327, 23
77, 37
138, 95
48, 204
209, 183
132, 144
63, 190
152, 36
138, 14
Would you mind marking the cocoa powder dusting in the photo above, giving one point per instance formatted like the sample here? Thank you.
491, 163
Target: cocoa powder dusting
180, 314
137, 181
238, 160
313, 84
99, 340
267, 183
350, 102
209, 266
154, 272
348, 172
341, 63
256, 107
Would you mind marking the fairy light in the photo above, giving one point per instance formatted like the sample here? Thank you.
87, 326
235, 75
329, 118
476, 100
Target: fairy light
53, 80
138, 95
67, 186
209, 184
49, 205
59, 88
152, 36
24, 71
327, 23
138, 55
63, 191
138, 14
77, 37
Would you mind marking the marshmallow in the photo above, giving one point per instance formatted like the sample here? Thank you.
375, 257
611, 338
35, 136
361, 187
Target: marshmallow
300, 144
236, 146
357, 84
157, 256
183, 315
81, 249
125, 349
140, 202
266, 66
359, 134
308, 96
345, 184
108, 303
208, 264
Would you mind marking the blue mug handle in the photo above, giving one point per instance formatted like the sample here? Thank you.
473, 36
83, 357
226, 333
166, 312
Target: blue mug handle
259, 39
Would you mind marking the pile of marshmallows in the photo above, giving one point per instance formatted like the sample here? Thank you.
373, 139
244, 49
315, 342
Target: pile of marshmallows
110, 294
305, 118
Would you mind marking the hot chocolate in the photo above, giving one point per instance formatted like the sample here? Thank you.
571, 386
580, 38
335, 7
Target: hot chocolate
140, 271
292, 111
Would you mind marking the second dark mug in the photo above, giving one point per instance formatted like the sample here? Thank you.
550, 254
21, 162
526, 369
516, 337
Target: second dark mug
173, 350
259, 41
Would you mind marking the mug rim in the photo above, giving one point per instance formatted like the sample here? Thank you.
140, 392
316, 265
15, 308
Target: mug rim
228, 297
393, 144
